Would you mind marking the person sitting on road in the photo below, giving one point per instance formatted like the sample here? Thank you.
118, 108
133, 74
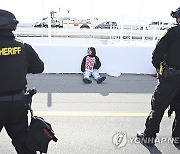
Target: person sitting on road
90, 65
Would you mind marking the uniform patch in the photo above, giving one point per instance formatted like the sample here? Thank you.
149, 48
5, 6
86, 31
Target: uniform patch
9, 51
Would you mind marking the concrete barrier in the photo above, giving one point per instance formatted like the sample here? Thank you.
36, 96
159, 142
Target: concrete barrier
115, 59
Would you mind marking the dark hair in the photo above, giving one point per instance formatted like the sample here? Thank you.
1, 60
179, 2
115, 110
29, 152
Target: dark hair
93, 50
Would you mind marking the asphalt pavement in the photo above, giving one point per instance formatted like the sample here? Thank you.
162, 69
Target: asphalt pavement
96, 118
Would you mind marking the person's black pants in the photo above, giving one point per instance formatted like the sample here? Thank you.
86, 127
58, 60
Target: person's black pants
13, 117
176, 123
165, 93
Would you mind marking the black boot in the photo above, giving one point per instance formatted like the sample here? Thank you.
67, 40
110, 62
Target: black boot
176, 129
146, 139
86, 80
100, 80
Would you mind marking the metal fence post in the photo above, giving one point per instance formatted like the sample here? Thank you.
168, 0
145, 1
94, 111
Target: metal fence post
49, 29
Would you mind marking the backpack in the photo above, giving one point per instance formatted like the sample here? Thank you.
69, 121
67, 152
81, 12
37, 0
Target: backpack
39, 132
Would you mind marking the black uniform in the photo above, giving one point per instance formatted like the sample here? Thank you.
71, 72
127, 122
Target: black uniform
16, 60
168, 89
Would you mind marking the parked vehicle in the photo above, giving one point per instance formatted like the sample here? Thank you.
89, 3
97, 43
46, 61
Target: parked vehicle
42, 23
160, 25
107, 25
55, 21
63, 22
85, 26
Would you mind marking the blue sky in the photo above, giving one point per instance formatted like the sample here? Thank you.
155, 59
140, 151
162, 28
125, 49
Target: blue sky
102, 9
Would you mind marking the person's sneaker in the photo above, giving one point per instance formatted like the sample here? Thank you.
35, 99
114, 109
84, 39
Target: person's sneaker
100, 80
86, 80
144, 139
176, 141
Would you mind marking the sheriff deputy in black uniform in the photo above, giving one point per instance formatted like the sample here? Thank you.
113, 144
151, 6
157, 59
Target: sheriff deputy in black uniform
166, 59
16, 60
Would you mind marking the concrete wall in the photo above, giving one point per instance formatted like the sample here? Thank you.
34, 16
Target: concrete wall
114, 59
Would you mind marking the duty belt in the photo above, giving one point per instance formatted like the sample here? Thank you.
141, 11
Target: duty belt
173, 71
14, 97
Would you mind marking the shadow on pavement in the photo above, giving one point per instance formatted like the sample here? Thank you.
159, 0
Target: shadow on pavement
152, 149
72, 83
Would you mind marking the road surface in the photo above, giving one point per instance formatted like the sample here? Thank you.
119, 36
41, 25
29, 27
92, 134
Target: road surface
90, 119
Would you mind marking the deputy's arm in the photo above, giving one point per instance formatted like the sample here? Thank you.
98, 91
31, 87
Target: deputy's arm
36, 65
161, 49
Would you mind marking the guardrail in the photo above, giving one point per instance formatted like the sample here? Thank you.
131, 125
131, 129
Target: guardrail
122, 34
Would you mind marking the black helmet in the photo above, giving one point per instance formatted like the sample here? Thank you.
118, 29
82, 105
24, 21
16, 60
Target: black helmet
176, 13
7, 20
